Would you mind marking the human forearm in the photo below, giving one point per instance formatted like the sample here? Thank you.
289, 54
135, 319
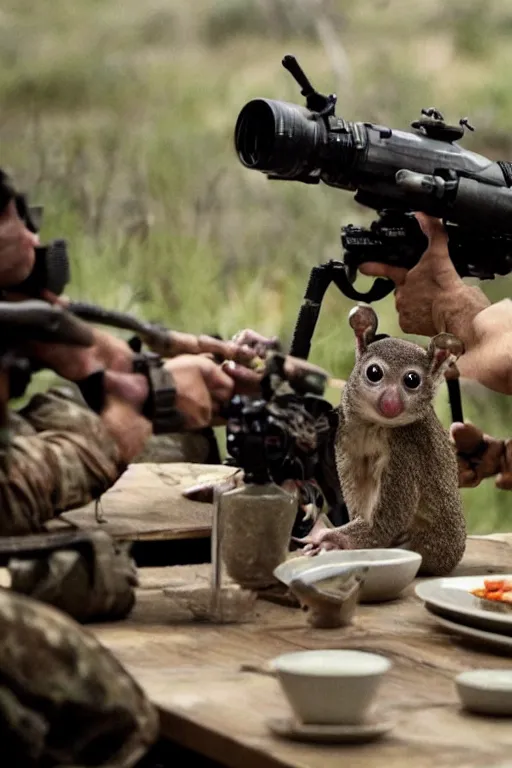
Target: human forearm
456, 312
77, 363
486, 330
113, 353
129, 430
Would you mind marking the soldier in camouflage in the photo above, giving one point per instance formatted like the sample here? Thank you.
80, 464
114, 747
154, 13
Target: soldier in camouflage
64, 699
61, 455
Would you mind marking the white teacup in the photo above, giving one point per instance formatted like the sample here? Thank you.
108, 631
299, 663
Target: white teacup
332, 687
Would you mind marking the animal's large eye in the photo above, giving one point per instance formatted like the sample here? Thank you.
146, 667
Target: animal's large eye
412, 380
374, 373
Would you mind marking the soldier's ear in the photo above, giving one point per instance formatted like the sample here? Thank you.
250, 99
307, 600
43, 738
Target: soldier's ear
363, 321
444, 350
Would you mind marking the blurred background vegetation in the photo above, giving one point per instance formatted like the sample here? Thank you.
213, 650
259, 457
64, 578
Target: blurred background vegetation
119, 117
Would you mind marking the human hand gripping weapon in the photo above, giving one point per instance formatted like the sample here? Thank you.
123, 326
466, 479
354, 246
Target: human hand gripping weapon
243, 357
393, 172
247, 351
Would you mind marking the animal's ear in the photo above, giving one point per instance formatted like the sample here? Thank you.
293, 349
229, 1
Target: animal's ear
363, 322
443, 350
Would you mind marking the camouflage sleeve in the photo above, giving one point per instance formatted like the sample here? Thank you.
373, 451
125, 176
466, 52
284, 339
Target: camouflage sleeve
60, 457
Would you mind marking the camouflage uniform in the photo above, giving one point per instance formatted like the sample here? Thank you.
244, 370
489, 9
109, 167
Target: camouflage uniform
64, 698
60, 456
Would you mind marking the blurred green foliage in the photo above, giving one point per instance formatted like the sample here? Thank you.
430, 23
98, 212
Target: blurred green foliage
120, 116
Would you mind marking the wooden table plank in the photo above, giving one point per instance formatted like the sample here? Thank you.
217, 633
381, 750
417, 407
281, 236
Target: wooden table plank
146, 504
504, 536
192, 672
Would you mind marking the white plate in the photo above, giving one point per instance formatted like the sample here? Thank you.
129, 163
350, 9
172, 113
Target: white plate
452, 598
390, 571
490, 639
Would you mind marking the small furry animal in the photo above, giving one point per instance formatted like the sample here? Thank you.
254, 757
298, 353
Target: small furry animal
395, 463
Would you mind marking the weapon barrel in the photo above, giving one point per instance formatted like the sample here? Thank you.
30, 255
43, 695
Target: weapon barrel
162, 341
95, 314
159, 339
35, 320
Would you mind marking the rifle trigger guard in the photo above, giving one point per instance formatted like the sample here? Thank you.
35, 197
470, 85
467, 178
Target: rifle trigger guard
381, 288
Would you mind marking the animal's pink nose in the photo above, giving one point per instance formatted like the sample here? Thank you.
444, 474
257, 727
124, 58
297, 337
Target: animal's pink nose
390, 404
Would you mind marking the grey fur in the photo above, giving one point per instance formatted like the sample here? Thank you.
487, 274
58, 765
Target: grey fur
399, 476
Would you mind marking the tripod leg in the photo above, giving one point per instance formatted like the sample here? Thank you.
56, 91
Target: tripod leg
455, 400
319, 280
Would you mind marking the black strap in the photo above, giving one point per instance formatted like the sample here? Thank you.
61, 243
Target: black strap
455, 400
93, 390
160, 406
7, 191
506, 168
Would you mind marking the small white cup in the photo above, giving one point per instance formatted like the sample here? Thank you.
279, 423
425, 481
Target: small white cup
486, 691
332, 687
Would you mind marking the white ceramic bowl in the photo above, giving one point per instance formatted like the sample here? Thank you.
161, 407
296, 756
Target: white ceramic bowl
330, 687
390, 571
486, 691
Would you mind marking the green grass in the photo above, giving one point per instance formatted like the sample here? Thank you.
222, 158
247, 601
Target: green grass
120, 117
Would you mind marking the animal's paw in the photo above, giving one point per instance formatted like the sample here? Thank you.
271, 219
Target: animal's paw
310, 498
324, 540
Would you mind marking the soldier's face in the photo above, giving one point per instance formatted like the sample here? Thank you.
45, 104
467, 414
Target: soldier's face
17, 243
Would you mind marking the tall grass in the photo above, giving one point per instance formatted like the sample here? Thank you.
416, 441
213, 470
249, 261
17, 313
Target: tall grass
119, 118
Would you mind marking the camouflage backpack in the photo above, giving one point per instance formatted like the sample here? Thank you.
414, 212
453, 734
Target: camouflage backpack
86, 574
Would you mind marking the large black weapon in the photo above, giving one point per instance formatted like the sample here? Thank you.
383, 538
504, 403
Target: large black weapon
392, 171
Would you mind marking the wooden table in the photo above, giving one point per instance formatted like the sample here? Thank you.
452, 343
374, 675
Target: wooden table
146, 504
192, 673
